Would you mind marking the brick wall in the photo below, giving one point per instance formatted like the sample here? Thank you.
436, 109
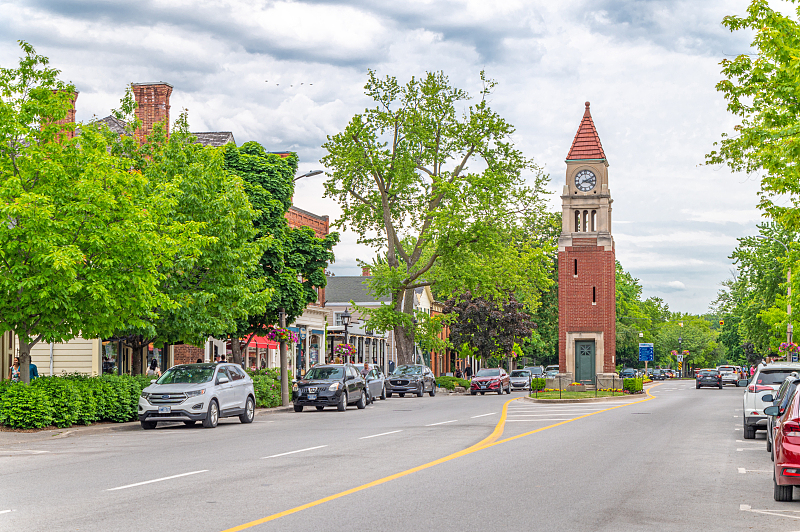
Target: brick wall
70, 118
153, 106
187, 354
320, 225
576, 313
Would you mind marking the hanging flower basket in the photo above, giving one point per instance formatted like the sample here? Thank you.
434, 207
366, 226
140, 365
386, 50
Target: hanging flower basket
345, 350
283, 335
788, 348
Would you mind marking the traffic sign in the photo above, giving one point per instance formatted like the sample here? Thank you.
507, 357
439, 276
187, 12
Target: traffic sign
680, 358
645, 352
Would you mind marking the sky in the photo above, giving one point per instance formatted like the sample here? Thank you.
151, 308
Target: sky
289, 73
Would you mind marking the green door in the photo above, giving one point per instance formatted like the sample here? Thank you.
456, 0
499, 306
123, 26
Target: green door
584, 361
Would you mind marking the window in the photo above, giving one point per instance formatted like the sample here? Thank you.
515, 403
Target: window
585, 221
594, 221
236, 373
339, 318
594, 294
222, 372
576, 267
577, 221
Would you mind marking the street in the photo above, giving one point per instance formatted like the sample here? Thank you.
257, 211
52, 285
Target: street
673, 460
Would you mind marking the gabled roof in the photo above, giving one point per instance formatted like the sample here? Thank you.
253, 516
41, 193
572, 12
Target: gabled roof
344, 288
114, 124
215, 138
586, 144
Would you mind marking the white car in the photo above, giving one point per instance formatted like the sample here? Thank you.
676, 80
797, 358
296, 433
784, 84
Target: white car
730, 374
198, 392
766, 380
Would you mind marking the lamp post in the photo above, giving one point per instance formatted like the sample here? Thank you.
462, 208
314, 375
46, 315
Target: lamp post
303, 353
284, 361
308, 174
680, 340
789, 287
346, 322
414, 338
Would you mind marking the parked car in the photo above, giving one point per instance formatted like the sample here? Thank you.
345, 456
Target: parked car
198, 392
786, 469
627, 373
520, 379
659, 375
551, 367
766, 380
670, 373
708, 377
411, 378
536, 371
490, 380
324, 385
730, 374
551, 373
376, 382
780, 399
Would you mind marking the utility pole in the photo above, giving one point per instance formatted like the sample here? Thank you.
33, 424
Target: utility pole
284, 361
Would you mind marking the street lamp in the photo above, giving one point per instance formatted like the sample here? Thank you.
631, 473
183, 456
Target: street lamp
308, 174
346, 322
680, 340
301, 364
789, 287
414, 338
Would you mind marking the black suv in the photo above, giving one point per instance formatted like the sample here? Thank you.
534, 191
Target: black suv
336, 385
411, 378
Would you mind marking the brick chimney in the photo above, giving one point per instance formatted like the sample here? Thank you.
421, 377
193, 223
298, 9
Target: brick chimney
153, 106
365, 272
70, 118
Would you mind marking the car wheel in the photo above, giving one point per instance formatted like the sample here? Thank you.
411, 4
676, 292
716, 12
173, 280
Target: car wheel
298, 408
388, 394
342, 405
212, 416
383, 394
362, 401
189, 423
769, 445
401, 394
432, 393
249, 411
697, 386
749, 432
781, 493
483, 393
149, 425
421, 390
321, 407
472, 392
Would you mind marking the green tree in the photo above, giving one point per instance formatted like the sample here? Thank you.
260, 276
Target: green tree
438, 192
79, 245
696, 336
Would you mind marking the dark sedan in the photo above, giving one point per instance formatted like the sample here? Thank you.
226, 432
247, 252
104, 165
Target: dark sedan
491, 380
411, 378
336, 385
659, 375
708, 377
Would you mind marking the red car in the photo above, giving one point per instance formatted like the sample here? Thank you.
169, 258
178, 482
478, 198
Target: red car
491, 380
786, 446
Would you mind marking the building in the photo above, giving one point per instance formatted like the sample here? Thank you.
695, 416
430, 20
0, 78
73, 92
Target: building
586, 262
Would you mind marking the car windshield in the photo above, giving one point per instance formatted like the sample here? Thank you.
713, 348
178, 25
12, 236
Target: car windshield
771, 378
709, 372
726, 369
408, 370
324, 374
536, 371
488, 373
520, 373
194, 374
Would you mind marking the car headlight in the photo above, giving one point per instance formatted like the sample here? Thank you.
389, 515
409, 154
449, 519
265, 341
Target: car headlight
195, 393
294, 387
335, 386
145, 395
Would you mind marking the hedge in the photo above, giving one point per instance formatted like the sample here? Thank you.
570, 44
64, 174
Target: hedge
633, 385
450, 383
538, 384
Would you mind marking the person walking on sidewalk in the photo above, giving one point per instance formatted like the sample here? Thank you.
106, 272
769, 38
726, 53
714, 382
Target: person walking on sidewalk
14, 374
153, 369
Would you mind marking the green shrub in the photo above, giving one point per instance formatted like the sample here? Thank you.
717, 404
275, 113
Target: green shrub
538, 384
267, 389
633, 385
64, 398
25, 407
450, 383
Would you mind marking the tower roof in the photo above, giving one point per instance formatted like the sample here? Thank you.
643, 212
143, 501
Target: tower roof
586, 144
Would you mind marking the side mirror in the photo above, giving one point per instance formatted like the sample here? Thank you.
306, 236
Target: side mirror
222, 379
743, 382
772, 411
767, 398
349, 378
152, 381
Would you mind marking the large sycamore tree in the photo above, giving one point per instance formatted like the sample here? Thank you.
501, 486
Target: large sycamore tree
79, 243
433, 181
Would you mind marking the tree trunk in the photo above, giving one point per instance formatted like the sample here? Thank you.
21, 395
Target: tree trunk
136, 359
236, 350
24, 360
405, 346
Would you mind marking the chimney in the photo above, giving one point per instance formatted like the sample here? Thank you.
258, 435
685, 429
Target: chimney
153, 106
365, 271
70, 118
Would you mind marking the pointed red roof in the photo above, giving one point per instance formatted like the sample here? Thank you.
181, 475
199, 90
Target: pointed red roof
586, 144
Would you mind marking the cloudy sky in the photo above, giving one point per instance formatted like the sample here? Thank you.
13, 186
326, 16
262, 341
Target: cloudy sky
289, 73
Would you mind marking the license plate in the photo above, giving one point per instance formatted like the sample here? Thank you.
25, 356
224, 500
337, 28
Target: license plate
312, 396
164, 409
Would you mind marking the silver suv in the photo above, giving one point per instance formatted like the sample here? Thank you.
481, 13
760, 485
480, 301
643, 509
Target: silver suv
198, 392
766, 380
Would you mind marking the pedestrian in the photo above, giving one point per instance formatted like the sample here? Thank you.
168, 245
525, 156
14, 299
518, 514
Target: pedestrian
468, 372
33, 371
216, 358
153, 369
222, 358
14, 372
458, 373
364, 372
752, 370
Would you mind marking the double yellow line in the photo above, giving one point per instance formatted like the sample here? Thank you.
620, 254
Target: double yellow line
489, 441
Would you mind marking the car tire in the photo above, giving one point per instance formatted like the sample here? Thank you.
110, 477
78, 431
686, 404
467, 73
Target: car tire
697, 386
483, 393
249, 411
212, 416
421, 390
298, 408
472, 392
149, 425
781, 493
383, 394
189, 423
320, 407
341, 406
769, 445
362, 401
388, 394
432, 393
749, 432
401, 394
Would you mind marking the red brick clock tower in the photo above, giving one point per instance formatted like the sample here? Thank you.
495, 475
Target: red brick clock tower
586, 263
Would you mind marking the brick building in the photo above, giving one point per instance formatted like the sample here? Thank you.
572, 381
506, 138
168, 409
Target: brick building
586, 262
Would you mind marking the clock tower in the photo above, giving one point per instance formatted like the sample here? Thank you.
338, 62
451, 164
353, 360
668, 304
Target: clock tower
586, 263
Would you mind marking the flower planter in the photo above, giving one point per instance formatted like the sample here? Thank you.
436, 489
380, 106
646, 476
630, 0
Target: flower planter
576, 388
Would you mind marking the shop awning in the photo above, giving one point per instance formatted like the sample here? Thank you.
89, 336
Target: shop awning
263, 343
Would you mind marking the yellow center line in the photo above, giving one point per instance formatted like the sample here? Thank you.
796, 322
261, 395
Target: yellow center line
489, 441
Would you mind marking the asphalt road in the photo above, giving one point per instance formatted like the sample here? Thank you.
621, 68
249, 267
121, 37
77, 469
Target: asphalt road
674, 460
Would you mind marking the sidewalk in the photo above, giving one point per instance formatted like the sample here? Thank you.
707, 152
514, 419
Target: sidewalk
12, 437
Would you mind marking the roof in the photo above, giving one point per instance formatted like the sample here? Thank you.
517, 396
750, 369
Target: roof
215, 138
586, 144
341, 288
114, 124
310, 214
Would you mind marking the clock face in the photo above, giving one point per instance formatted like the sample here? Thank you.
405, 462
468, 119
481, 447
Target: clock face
585, 180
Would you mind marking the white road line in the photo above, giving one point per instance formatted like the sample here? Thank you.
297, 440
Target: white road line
441, 423
540, 419
31, 451
5, 511
483, 415
293, 452
751, 449
381, 434
742, 470
157, 480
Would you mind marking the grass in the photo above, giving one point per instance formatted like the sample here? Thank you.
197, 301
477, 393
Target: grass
574, 395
